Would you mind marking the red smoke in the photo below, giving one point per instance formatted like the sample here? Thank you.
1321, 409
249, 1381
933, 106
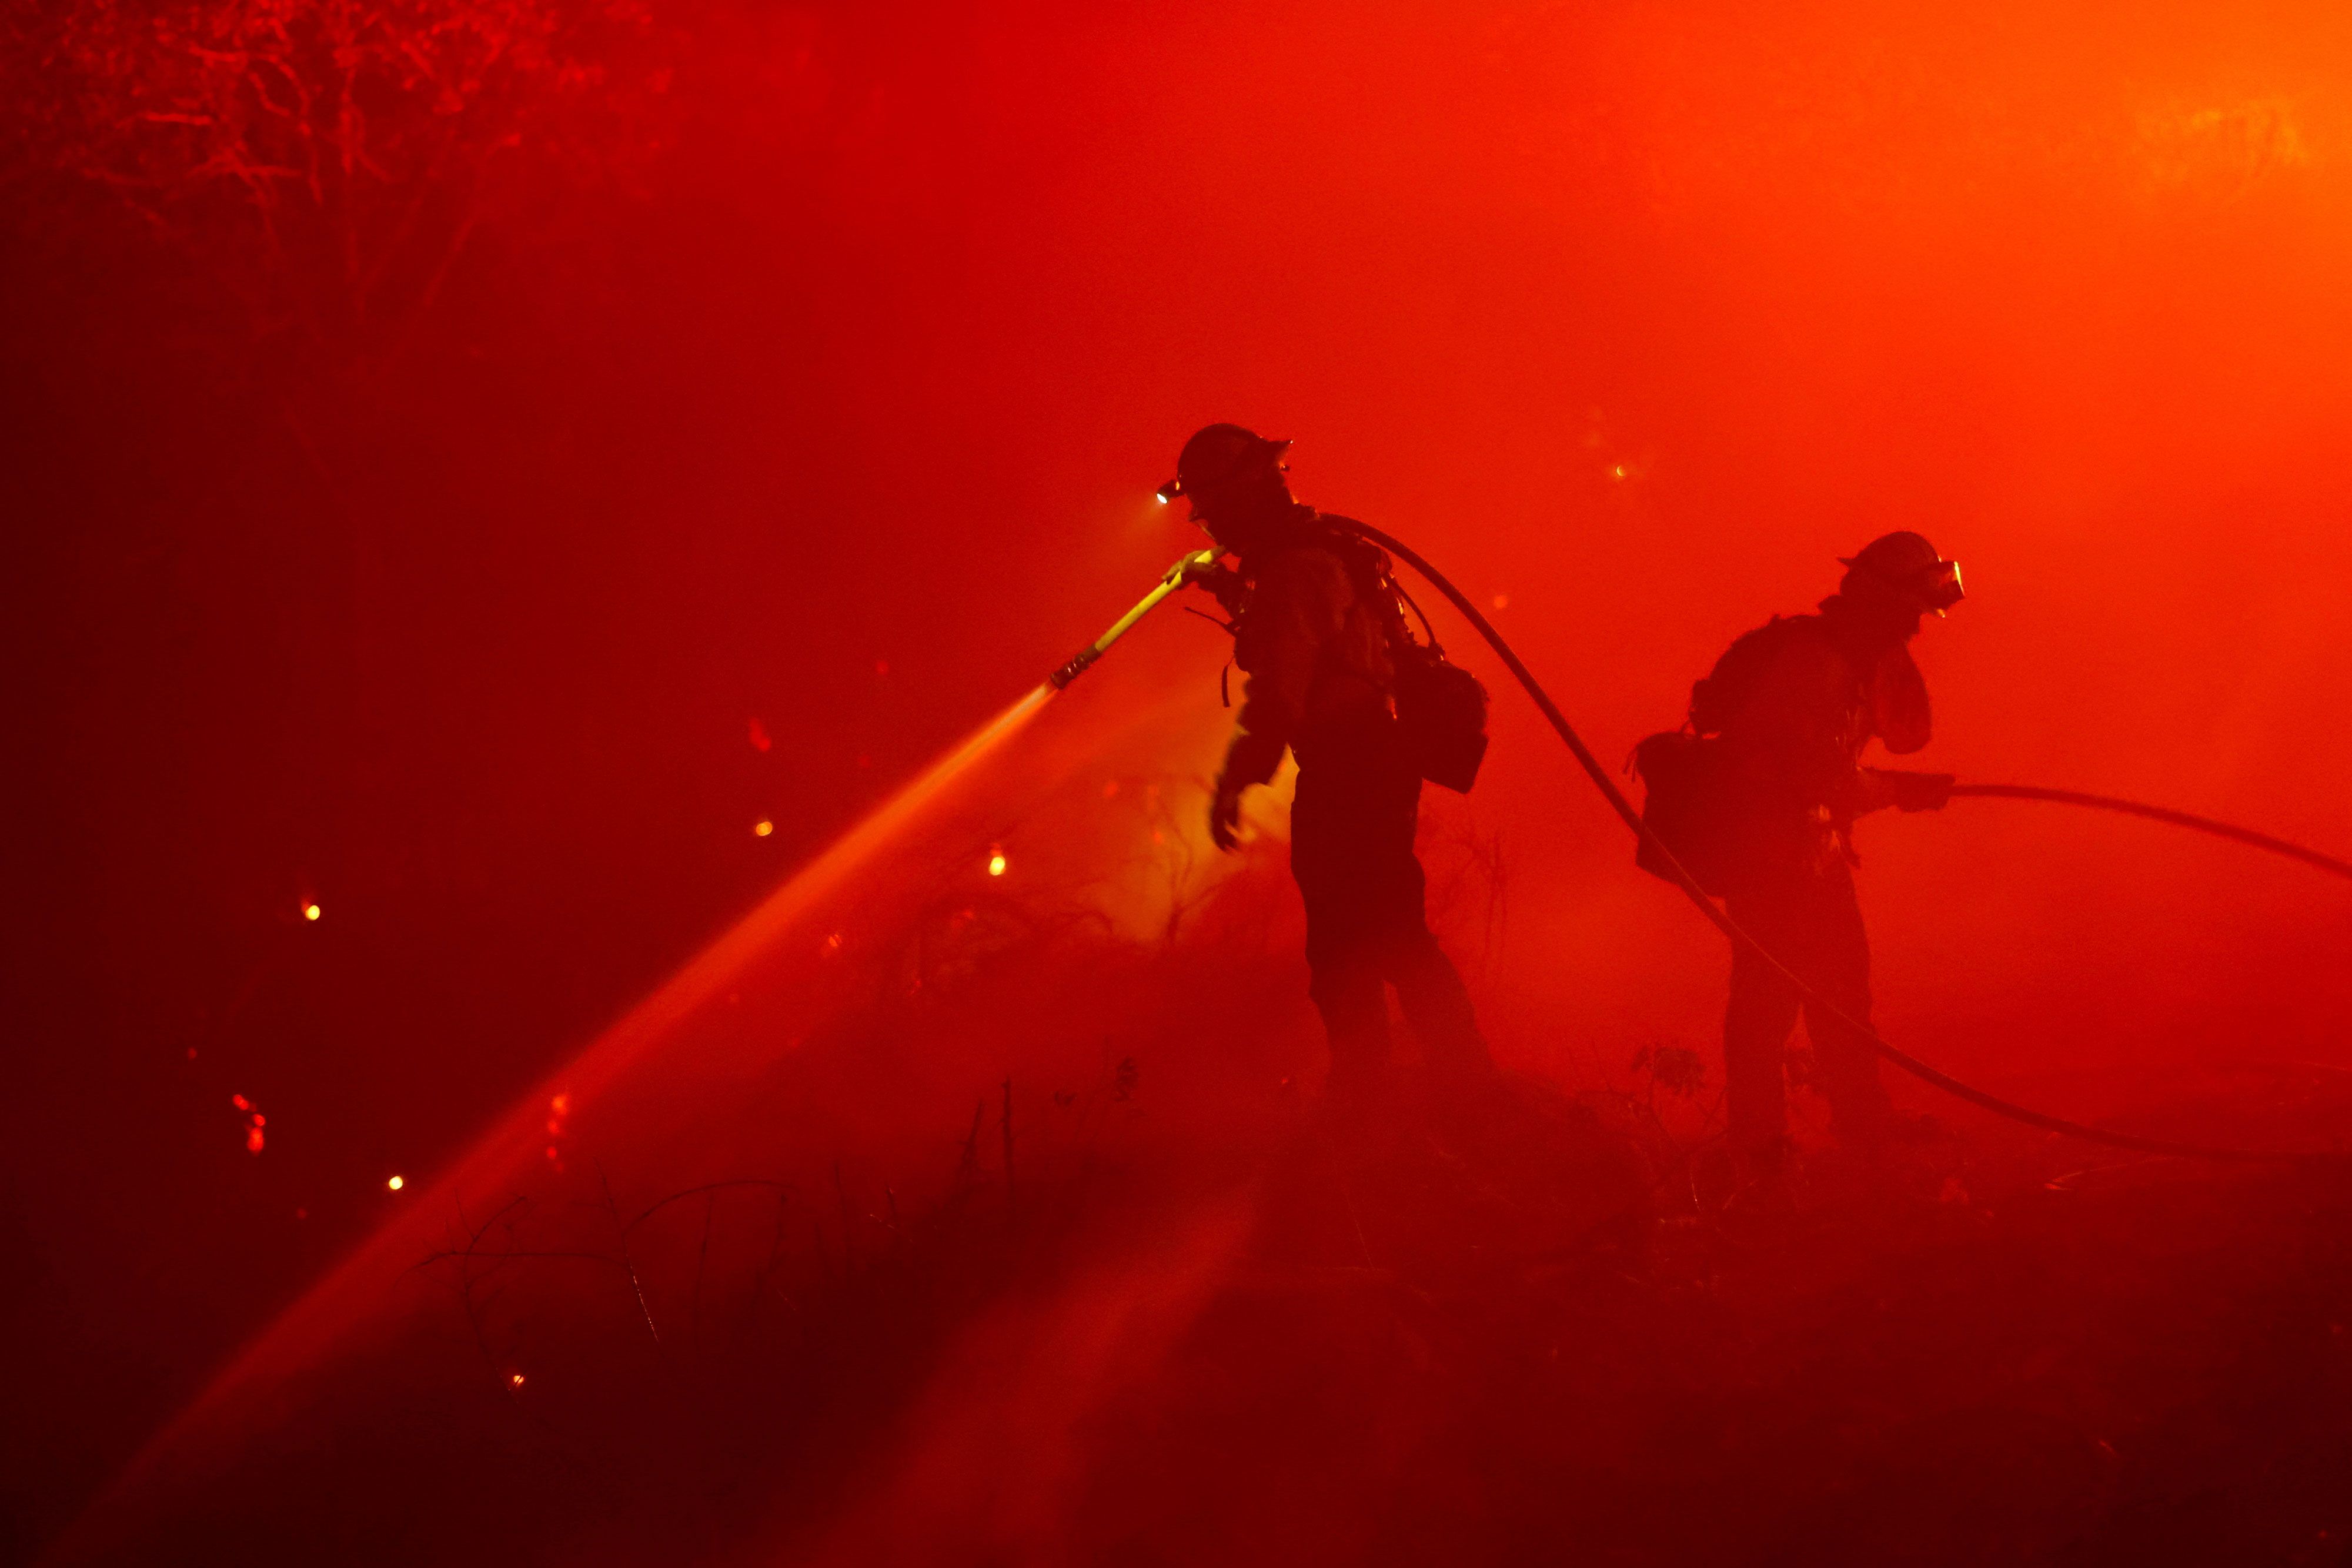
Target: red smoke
600, 432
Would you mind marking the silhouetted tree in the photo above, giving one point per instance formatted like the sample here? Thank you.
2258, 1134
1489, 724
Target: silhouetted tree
327, 163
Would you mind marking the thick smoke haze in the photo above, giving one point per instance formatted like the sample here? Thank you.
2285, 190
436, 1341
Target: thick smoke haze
614, 429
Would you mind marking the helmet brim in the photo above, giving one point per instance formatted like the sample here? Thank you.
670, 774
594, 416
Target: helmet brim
1261, 449
1937, 585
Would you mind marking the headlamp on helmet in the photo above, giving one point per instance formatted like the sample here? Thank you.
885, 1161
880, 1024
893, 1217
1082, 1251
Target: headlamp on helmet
1216, 455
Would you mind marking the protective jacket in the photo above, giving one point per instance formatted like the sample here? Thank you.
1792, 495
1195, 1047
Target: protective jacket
1314, 638
1796, 702
1312, 641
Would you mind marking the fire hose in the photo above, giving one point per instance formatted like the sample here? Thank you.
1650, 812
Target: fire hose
1731, 928
2228, 831
1194, 565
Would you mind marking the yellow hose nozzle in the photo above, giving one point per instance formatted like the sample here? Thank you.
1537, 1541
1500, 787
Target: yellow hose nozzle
1185, 569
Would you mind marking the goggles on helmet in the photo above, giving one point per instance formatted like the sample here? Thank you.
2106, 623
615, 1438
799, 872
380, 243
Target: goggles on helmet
1939, 585
1908, 563
1936, 586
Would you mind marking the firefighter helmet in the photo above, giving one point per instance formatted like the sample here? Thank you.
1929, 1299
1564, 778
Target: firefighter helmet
1218, 453
1906, 562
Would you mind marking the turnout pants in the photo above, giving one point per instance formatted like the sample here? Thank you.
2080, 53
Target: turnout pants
1812, 922
1351, 827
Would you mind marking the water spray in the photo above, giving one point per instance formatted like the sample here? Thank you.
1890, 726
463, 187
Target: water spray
496, 1159
299, 1335
1192, 566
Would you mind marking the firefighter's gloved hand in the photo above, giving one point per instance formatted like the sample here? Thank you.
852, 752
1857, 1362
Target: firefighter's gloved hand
1919, 791
1225, 585
1225, 817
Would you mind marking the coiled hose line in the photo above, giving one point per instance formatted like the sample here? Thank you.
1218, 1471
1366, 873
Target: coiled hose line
1706, 905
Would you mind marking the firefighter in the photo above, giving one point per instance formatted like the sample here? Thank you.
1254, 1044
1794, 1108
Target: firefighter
1312, 629
1795, 703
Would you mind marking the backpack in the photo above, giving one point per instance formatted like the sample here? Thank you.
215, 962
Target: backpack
1692, 802
1717, 696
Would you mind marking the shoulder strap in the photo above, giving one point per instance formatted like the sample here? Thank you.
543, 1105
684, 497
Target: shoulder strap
1368, 568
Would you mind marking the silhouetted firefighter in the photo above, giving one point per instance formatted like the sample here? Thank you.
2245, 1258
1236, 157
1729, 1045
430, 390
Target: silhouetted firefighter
1757, 797
1319, 633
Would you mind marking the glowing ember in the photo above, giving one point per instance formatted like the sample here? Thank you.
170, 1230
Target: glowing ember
254, 1121
514, 1380
995, 863
764, 826
296, 1340
1502, 601
309, 912
558, 1108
